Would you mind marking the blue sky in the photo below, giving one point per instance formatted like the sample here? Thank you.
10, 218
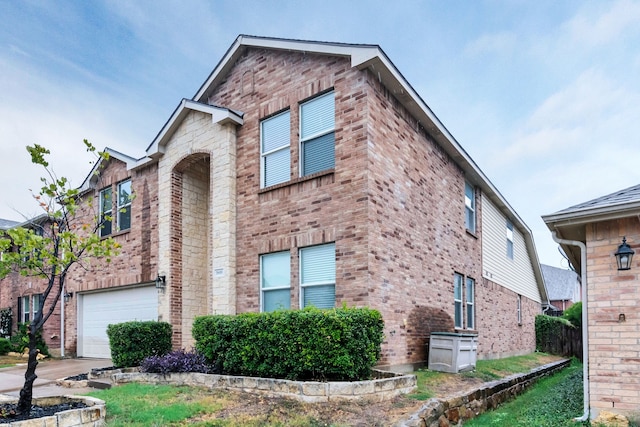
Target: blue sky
544, 95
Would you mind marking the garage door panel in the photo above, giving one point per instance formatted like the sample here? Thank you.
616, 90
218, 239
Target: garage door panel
100, 309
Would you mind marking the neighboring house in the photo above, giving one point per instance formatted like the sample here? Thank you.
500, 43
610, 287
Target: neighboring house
563, 287
308, 173
23, 295
612, 295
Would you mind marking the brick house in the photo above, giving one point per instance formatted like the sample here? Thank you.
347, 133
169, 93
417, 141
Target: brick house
563, 287
612, 297
312, 173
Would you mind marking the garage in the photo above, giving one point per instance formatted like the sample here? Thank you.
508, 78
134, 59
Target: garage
99, 309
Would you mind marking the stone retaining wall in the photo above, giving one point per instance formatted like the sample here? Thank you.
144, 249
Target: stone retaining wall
91, 416
387, 386
450, 411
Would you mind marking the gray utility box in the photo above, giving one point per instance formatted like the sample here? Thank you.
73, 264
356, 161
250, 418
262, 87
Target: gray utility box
451, 352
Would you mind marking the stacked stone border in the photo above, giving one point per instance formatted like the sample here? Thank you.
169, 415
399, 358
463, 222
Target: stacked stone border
91, 416
464, 406
386, 385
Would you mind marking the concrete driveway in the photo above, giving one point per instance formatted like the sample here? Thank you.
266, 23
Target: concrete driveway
48, 371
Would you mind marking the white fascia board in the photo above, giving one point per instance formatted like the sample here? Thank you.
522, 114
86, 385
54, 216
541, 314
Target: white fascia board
218, 114
589, 215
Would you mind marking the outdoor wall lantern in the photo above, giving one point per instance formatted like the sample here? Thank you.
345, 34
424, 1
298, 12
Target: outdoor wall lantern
624, 255
68, 296
161, 281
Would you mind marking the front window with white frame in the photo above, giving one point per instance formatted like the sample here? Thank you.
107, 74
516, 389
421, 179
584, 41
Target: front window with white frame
124, 205
317, 134
470, 300
106, 212
275, 156
457, 300
318, 276
275, 279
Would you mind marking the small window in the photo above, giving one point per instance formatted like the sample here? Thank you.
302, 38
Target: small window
470, 299
124, 205
275, 157
509, 239
275, 276
106, 212
457, 299
35, 303
317, 134
24, 309
470, 207
318, 276
519, 309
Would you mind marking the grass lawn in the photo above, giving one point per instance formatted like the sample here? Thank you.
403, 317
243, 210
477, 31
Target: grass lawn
150, 405
8, 361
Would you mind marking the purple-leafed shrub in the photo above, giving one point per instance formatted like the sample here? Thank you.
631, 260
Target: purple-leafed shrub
176, 361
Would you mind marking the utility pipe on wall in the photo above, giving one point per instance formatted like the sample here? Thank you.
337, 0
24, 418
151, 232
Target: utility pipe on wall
585, 327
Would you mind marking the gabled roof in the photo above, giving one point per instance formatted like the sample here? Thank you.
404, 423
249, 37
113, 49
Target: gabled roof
92, 177
373, 58
570, 223
560, 282
219, 115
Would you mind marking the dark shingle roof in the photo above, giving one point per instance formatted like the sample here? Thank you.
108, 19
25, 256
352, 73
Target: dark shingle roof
6, 224
560, 283
621, 197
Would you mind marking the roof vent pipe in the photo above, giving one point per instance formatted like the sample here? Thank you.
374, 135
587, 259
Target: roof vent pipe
585, 327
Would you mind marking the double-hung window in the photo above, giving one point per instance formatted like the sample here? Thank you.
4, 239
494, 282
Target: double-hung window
124, 205
519, 310
275, 288
509, 239
470, 299
318, 276
470, 207
464, 302
106, 212
457, 300
24, 309
275, 157
317, 134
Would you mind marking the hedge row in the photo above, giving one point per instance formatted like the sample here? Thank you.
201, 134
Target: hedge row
309, 344
131, 342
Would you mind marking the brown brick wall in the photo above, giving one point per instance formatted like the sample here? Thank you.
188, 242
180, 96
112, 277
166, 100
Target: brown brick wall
137, 260
613, 318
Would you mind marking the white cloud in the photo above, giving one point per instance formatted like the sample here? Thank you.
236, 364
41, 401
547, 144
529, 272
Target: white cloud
594, 28
500, 43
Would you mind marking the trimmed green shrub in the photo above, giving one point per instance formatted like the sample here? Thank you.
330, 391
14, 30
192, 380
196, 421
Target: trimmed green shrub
5, 346
335, 344
131, 342
574, 314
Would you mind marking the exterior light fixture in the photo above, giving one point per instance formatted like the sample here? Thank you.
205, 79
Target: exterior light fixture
161, 281
68, 296
624, 255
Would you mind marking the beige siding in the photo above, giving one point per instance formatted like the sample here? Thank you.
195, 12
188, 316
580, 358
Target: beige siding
515, 274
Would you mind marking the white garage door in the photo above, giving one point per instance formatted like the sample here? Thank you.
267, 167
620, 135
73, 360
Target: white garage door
97, 310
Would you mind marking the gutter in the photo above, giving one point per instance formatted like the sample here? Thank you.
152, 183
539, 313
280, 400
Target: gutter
585, 327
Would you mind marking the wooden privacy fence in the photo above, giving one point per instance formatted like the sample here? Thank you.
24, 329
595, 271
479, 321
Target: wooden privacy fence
556, 337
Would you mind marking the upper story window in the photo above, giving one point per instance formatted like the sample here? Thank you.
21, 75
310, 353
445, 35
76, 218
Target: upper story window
317, 134
470, 207
275, 284
106, 212
124, 205
509, 239
318, 276
275, 157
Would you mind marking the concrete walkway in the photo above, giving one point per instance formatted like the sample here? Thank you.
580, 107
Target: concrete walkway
48, 371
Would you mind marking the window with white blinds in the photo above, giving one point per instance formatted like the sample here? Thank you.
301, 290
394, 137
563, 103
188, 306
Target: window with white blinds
470, 296
318, 276
317, 134
275, 163
275, 274
457, 300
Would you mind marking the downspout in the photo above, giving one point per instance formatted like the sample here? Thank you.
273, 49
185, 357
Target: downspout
585, 336
62, 323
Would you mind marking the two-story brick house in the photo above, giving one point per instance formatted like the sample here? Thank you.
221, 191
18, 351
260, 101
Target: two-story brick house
306, 173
